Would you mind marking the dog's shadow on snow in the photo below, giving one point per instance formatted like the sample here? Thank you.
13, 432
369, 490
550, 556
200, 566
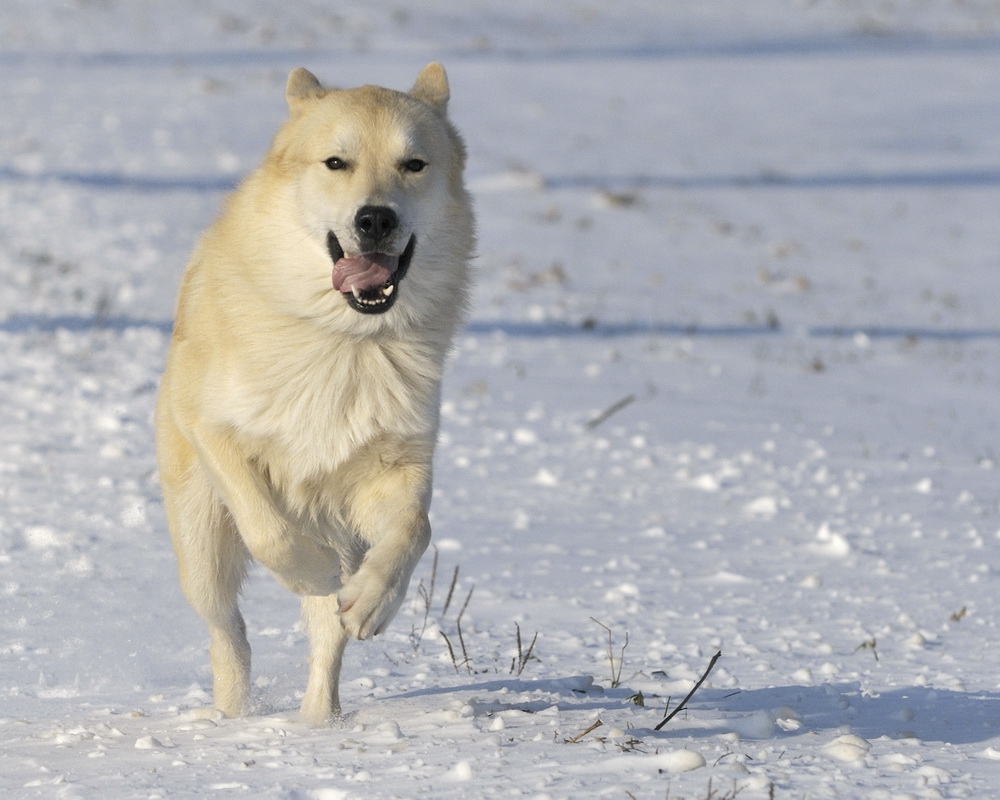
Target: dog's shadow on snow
913, 712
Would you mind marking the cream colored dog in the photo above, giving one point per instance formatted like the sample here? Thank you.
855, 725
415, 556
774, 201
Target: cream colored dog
299, 409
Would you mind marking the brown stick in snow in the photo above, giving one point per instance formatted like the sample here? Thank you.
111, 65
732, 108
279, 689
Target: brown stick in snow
695, 688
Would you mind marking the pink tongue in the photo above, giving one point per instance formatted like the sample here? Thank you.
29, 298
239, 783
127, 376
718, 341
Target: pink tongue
369, 271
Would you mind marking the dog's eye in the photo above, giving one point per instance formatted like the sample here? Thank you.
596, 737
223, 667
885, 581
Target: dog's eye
334, 163
415, 165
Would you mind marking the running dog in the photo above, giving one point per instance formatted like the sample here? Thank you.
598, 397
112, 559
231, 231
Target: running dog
299, 408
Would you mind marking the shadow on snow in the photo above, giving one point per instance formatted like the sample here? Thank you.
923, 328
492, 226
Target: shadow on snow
924, 713
915, 712
41, 323
815, 46
954, 178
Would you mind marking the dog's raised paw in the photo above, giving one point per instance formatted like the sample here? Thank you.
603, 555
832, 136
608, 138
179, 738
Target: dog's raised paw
367, 604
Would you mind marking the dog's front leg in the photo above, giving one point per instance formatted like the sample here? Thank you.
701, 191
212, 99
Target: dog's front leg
373, 595
299, 562
389, 510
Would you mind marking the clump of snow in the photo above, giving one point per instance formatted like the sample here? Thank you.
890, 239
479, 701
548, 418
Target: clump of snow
759, 725
762, 507
847, 748
830, 544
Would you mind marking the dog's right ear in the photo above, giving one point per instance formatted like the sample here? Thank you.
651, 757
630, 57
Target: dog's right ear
302, 85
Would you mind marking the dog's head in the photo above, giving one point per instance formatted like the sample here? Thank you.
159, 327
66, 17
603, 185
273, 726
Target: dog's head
377, 179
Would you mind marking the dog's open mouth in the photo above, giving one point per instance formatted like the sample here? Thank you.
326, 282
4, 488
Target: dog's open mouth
368, 281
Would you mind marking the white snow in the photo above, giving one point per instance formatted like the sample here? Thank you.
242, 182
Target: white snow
730, 383
850, 748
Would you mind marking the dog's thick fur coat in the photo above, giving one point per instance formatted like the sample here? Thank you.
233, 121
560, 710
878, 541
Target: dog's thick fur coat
297, 421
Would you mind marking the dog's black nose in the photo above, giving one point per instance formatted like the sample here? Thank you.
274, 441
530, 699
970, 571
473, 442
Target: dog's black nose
374, 225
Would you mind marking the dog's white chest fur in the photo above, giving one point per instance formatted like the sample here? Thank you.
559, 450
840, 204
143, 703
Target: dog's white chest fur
304, 424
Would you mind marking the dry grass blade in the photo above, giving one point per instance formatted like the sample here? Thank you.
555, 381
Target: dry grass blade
695, 688
616, 673
579, 736
427, 595
465, 605
451, 650
610, 411
522, 659
451, 590
434, 572
466, 662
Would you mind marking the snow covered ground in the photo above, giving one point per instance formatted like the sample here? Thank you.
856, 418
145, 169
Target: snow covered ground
730, 384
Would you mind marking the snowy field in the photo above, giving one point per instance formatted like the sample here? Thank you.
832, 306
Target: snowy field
730, 384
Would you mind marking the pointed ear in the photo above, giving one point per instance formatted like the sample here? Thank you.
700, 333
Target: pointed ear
302, 84
432, 87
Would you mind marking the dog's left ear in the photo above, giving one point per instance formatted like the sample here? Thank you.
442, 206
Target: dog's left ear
432, 87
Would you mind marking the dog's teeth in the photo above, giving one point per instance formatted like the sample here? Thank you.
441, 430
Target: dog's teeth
387, 290
356, 292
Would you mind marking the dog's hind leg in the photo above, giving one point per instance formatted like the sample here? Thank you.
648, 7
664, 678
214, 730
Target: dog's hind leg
230, 654
212, 562
327, 639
